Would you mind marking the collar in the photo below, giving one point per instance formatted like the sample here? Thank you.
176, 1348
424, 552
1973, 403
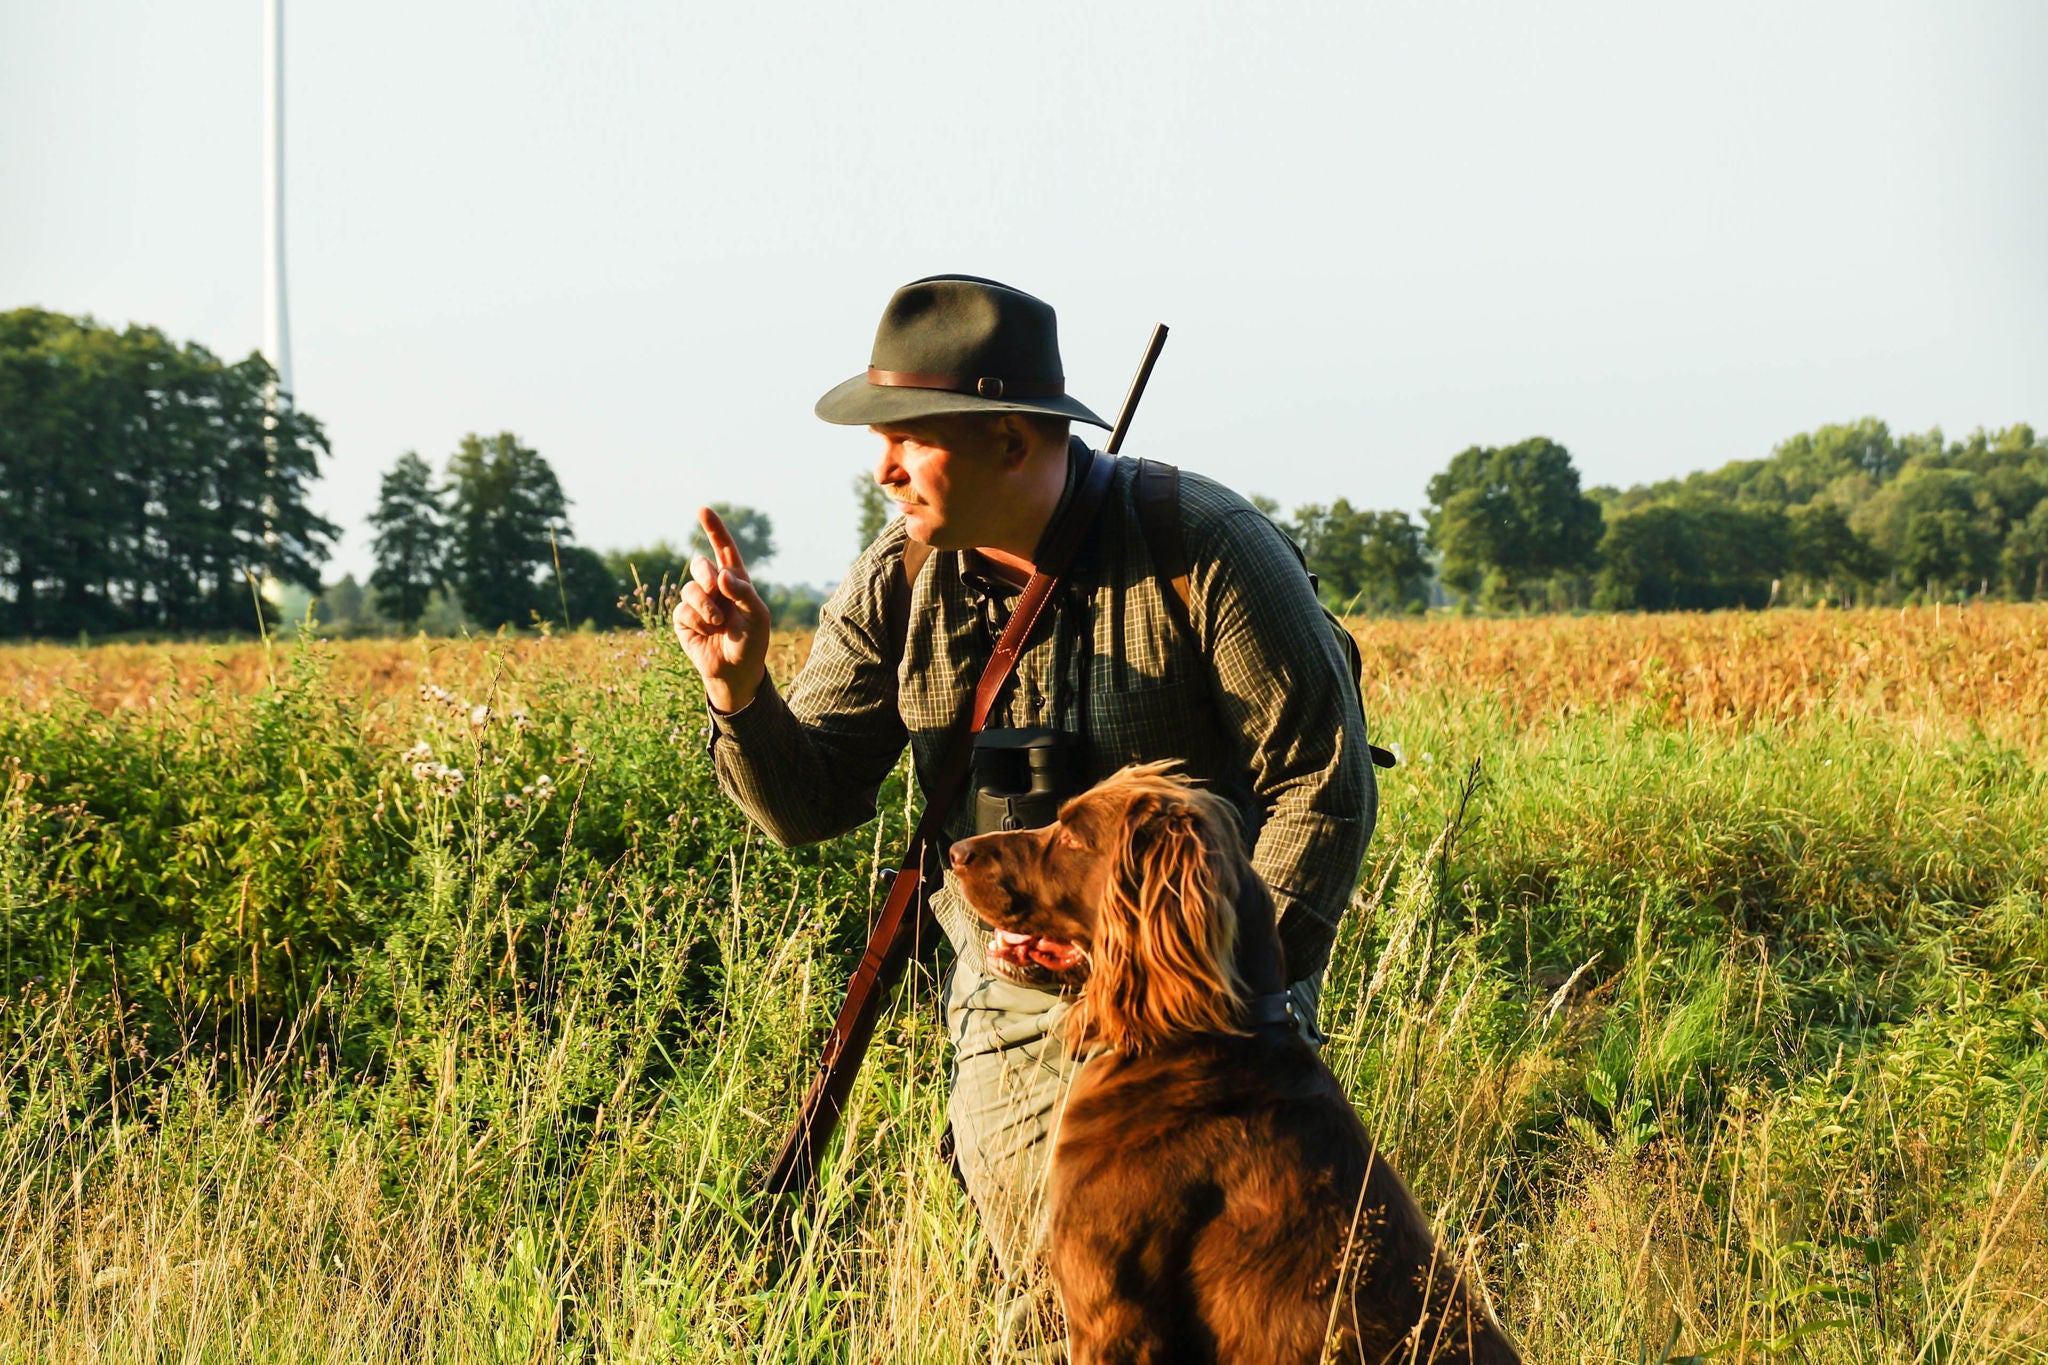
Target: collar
1078, 459
1271, 1011
989, 582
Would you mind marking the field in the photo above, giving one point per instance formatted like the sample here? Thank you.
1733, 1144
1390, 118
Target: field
425, 1001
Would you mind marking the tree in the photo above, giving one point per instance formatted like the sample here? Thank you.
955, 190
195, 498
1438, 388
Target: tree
411, 545
751, 531
587, 590
2025, 560
146, 484
875, 509
1939, 525
344, 608
506, 516
1393, 566
652, 566
1330, 540
1690, 553
1512, 514
1645, 554
1823, 547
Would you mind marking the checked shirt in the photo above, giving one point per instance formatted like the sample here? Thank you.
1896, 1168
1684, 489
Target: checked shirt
1263, 711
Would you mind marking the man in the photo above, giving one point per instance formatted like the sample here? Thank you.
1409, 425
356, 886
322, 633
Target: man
966, 391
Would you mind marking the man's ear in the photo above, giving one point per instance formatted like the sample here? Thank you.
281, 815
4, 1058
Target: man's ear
1010, 440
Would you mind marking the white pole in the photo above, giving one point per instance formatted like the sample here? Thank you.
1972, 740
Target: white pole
277, 344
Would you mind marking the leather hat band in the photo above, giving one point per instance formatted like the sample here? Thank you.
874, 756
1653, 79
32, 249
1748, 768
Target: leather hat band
985, 387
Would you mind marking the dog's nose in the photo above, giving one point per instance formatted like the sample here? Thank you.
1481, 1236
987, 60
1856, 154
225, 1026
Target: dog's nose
960, 854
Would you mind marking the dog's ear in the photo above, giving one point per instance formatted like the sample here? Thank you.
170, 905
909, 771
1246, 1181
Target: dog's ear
1164, 958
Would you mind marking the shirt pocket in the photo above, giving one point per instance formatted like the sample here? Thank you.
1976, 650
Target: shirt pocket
1168, 718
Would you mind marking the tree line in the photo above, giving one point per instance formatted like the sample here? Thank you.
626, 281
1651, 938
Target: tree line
1846, 514
146, 485
488, 544
151, 486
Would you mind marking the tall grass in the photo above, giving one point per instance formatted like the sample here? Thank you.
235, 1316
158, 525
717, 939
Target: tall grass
1699, 1035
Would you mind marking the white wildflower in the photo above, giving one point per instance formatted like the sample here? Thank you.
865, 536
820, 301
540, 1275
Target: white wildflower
420, 753
480, 716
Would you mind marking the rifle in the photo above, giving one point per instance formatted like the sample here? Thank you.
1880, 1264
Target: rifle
906, 928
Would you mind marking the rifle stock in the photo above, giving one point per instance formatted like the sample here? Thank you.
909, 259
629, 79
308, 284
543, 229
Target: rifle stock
904, 929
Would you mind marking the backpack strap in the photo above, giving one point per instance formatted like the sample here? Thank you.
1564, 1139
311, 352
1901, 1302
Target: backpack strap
897, 613
1158, 495
1158, 491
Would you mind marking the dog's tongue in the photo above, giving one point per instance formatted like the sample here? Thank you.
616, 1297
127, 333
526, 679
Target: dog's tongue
1028, 950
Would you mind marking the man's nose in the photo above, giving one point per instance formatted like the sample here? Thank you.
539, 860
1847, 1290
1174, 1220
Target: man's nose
888, 468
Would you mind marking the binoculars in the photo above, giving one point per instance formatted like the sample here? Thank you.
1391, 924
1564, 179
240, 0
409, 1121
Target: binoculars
1022, 777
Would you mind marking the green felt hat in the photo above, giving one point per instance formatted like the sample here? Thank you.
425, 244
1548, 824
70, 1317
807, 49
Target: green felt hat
956, 343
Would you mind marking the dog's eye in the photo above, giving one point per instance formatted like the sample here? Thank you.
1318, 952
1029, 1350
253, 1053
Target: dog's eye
1068, 839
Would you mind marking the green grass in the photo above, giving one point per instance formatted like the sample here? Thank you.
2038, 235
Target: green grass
1726, 1042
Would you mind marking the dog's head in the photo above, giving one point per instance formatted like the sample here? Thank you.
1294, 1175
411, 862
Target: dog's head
1135, 886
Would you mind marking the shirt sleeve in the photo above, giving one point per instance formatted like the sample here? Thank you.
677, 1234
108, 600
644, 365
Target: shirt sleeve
809, 767
1282, 688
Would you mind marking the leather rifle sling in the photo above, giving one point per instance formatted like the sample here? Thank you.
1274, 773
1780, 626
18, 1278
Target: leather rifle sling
906, 925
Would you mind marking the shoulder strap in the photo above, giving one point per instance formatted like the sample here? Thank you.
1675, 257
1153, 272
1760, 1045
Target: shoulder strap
897, 613
1158, 494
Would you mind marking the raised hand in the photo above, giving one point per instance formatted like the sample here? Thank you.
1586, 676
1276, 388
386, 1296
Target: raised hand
722, 622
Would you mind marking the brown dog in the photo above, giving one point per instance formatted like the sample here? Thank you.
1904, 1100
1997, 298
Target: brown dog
1212, 1195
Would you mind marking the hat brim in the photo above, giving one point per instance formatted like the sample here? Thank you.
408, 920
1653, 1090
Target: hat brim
857, 403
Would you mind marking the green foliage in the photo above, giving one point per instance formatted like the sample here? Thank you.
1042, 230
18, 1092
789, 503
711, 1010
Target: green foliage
874, 509
795, 605
1360, 558
1865, 515
2025, 558
651, 565
1511, 515
506, 514
751, 531
1692, 554
588, 591
411, 544
144, 484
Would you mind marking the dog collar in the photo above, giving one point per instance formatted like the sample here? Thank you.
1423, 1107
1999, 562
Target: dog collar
1274, 1010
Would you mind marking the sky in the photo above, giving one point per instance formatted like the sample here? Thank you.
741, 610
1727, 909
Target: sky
645, 237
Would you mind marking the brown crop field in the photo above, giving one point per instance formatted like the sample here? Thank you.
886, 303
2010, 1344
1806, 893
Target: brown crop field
1984, 665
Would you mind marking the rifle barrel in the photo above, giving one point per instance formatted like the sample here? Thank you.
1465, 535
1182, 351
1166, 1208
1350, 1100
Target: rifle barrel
1130, 408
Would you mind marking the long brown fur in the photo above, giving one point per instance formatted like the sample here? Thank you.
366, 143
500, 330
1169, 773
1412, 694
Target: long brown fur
1213, 1196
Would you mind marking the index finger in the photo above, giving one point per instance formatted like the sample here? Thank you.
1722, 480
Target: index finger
722, 543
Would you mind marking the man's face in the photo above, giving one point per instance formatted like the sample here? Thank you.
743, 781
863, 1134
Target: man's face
946, 475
